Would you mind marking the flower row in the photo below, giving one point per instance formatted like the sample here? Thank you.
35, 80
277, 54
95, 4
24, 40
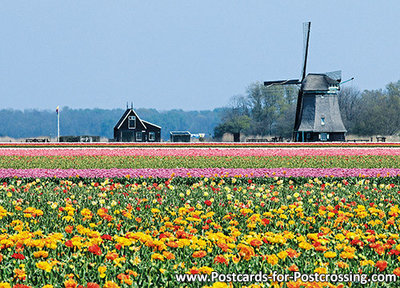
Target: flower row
143, 232
199, 172
206, 152
202, 144
108, 162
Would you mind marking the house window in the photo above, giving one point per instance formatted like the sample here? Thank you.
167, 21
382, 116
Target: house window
139, 136
322, 121
323, 136
152, 136
131, 122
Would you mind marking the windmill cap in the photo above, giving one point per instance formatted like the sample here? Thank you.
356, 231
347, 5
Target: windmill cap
318, 82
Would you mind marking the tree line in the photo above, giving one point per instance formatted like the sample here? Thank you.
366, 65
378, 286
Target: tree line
100, 122
263, 111
270, 111
371, 112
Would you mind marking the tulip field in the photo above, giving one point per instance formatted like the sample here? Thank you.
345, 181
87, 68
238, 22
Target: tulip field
199, 216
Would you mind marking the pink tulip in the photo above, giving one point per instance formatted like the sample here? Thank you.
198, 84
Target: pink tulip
206, 152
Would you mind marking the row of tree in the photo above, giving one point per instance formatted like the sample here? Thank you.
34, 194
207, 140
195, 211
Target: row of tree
100, 122
371, 112
270, 111
263, 111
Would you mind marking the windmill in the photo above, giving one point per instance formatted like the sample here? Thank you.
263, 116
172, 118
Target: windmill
317, 111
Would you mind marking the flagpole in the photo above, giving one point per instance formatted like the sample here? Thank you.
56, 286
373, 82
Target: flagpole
58, 127
58, 124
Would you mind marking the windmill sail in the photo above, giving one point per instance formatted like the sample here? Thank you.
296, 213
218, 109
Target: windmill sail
306, 40
282, 82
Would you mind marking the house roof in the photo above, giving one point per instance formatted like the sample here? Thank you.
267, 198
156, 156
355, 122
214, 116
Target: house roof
180, 133
126, 114
151, 124
318, 82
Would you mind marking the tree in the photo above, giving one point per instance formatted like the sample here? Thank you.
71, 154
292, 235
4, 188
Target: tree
235, 119
378, 111
349, 105
273, 109
393, 108
269, 111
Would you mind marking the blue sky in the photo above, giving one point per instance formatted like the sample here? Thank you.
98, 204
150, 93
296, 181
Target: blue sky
190, 55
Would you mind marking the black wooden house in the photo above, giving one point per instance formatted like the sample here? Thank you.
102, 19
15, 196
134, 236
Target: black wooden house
130, 128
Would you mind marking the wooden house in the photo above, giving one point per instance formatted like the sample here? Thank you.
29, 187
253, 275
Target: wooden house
130, 128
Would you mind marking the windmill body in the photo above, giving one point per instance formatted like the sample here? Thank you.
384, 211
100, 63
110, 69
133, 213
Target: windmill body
317, 114
319, 118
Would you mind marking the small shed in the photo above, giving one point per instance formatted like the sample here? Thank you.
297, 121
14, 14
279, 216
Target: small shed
130, 128
180, 136
83, 138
